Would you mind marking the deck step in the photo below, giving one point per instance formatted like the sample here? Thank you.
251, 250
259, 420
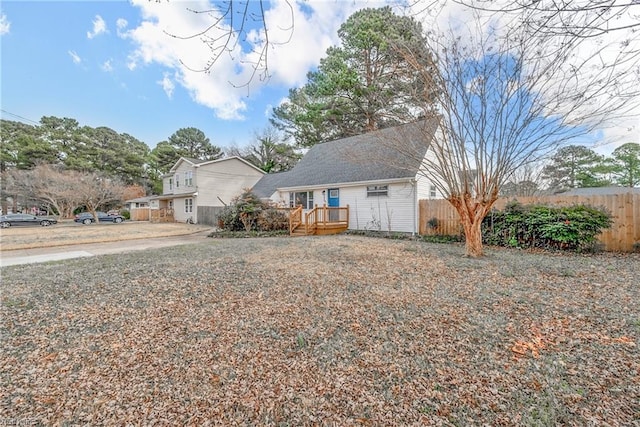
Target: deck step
299, 233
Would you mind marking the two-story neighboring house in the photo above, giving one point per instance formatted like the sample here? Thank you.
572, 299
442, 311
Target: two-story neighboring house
198, 189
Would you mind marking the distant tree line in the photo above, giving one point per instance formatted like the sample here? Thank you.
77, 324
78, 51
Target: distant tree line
577, 166
45, 164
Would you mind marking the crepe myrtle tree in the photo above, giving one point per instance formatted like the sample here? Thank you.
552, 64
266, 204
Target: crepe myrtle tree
508, 96
95, 191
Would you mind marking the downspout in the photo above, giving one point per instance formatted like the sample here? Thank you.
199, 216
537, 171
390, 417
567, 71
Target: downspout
415, 196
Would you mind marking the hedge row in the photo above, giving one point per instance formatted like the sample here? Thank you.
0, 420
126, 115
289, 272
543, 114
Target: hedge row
537, 226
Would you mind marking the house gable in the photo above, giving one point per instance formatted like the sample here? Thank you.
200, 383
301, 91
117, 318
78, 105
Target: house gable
374, 156
377, 174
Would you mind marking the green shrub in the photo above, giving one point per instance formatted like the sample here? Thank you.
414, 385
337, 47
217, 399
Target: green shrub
125, 214
248, 213
572, 228
433, 223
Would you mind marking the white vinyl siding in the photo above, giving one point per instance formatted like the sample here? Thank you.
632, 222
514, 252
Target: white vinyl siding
425, 189
396, 212
184, 179
219, 182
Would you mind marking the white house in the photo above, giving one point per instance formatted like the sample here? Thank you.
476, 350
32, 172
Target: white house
198, 189
376, 174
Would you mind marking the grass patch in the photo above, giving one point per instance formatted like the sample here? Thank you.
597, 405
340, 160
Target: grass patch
324, 331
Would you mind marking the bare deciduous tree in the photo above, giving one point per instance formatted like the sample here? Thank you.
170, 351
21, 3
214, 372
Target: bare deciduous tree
233, 24
96, 191
582, 18
509, 96
48, 184
525, 182
65, 190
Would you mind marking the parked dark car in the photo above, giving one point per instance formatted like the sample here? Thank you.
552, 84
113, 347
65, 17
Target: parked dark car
87, 218
17, 220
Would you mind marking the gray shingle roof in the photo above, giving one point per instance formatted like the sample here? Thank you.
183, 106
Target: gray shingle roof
269, 183
391, 153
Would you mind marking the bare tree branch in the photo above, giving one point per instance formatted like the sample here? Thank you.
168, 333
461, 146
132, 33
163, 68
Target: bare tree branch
510, 96
585, 19
232, 27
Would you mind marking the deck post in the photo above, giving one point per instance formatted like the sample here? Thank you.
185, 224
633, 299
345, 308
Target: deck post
347, 216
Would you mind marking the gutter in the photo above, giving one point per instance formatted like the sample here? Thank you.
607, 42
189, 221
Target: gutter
345, 184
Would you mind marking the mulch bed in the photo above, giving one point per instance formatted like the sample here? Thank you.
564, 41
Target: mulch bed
337, 330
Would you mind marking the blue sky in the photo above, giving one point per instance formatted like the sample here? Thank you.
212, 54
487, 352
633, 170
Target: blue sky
111, 63
107, 63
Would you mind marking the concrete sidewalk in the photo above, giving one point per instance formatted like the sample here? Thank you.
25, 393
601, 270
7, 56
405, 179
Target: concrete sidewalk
56, 253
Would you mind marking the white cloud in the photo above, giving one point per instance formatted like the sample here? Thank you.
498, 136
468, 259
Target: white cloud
121, 26
167, 85
74, 57
590, 58
5, 25
106, 66
99, 27
290, 56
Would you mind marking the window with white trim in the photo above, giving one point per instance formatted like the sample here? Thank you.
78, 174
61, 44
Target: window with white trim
377, 190
304, 198
188, 179
188, 205
432, 191
170, 183
177, 180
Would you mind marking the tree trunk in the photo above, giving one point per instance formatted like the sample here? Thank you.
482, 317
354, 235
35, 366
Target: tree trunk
472, 212
473, 238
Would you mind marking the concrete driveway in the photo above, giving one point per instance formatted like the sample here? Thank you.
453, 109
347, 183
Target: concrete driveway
56, 253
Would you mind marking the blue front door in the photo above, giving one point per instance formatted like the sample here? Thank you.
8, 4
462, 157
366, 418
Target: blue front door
334, 202
334, 198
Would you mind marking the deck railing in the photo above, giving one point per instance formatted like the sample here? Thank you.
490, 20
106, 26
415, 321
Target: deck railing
162, 215
311, 221
323, 217
326, 215
295, 218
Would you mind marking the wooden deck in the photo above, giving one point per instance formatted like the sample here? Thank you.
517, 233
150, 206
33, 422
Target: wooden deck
318, 221
162, 215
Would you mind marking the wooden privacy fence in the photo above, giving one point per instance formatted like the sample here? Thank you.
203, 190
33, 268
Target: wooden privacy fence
208, 215
140, 214
621, 237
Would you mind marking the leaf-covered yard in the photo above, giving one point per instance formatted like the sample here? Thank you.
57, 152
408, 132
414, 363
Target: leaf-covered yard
339, 330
